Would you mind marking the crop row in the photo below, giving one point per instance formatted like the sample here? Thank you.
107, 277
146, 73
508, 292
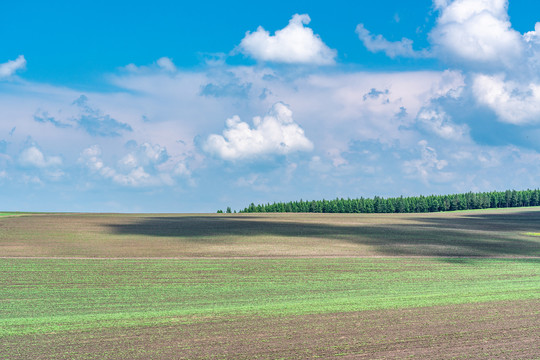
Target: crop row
51, 295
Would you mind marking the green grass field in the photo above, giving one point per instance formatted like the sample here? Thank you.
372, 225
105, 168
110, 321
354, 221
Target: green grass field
45, 296
9, 214
112, 286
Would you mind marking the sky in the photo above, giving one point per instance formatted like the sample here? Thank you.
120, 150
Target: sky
131, 106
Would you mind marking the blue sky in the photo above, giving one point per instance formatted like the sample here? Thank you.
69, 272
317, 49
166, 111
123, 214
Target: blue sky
172, 107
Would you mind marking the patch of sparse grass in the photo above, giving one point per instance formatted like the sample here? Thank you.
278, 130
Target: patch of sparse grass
9, 213
41, 296
267, 280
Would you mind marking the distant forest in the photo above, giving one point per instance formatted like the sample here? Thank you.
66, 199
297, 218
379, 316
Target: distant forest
413, 204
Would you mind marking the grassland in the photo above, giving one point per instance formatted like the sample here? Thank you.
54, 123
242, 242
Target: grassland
10, 214
269, 286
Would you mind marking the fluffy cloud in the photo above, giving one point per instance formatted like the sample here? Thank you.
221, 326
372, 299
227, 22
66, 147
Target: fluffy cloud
144, 155
428, 167
294, 44
477, 32
136, 169
450, 84
33, 157
391, 48
439, 123
276, 133
343, 112
532, 40
513, 102
9, 68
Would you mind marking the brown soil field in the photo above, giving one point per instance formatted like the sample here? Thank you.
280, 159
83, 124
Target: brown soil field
487, 233
474, 330
496, 330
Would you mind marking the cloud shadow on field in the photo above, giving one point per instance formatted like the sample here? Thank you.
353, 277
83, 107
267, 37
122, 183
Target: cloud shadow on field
481, 234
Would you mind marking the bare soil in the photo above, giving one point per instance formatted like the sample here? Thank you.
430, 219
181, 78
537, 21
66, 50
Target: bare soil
494, 330
488, 233
497, 330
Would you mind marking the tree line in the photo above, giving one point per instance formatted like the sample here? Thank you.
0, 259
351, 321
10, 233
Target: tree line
411, 204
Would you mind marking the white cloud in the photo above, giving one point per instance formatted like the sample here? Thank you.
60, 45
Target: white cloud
294, 44
32, 156
391, 48
476, 31
144, 155
162, 64
479, 33
450, 84
91, 157
428, 167
366, 106
532, 40
533, 37
136, 169
438, 122
513, 102
166, 64
9, 68
276, 133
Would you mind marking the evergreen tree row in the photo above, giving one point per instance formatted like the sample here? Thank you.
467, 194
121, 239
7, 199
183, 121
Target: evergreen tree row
414, 204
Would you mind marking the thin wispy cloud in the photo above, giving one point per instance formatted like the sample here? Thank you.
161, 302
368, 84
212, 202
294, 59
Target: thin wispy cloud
392, 49
10, 67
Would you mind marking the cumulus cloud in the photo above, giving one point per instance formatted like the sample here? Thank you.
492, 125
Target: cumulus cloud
439, 123
145, 155
294, 44
9, 68
276, 133
33, 157
532, 41
513, 102
428, 167
392, 49
135, 169
450, 84
477, 32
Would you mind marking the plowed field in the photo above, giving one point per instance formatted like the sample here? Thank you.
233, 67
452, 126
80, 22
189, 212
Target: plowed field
270, 286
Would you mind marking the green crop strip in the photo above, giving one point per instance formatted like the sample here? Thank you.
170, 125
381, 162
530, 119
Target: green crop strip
41, 296
9, 214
